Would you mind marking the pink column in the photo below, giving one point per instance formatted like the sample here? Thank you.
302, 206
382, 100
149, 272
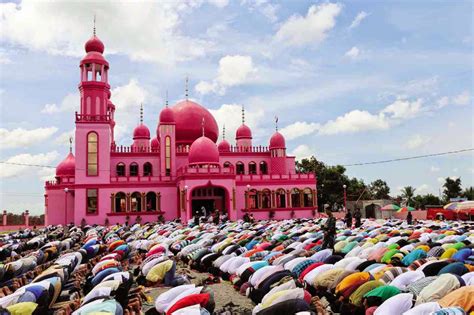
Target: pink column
4, 217
27, 218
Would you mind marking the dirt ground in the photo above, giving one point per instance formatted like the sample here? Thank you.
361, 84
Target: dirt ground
224, 294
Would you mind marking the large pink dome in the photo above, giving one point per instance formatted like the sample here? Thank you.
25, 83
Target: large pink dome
67, 167
141, 132
203, 151
277, 141
188, 117
224, 146
94, 44
243, 132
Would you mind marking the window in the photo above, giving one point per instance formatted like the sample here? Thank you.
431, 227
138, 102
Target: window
136, 202
240, 169
92, 162
151, 201
147, 169
134, 169
168, 156
120, 169
252, 168
280, 198
266, 199
227, 164
92, 200
263, 168
307, 197
120, 202
295, 198
253, 199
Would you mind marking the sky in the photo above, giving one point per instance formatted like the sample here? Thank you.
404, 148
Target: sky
350, 81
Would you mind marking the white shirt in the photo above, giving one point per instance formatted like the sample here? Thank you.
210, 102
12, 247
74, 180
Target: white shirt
395, 305
403, 280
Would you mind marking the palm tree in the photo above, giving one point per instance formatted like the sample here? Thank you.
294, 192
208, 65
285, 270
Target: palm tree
408, 193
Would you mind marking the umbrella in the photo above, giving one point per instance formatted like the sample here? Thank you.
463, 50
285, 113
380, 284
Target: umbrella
390, 207
451, 206
405, 209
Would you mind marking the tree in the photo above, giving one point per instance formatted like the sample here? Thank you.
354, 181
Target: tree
379, 189
452, 188
408, 193
468, 193
421, 201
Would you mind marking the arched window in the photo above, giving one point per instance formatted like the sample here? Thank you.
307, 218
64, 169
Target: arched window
147, 169
227, 164
92, 161
266, 199
252, 168
253, 199
168, 155
307, 197
136, 202
133, 169
295, 198
151, 201
120, 202
263, 168
239, 168
280, 198
120, 169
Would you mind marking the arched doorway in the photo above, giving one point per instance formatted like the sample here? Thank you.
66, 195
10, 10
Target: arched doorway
208, 199
370, 210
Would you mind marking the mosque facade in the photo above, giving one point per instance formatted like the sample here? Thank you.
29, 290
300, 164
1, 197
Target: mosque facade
176, 173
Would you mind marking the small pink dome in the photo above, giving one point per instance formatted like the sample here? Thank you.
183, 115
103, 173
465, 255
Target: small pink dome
203, 151
155, 143
167, 116
67, 167
94, 57
141, 132
224, 146
277, 141
94, 44
243, 132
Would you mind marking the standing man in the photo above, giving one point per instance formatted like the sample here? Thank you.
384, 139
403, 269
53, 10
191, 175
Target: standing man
329, 230
348, 219
357, 217
409, 218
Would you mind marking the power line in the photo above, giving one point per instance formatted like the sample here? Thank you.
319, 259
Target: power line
409, 157
354, 164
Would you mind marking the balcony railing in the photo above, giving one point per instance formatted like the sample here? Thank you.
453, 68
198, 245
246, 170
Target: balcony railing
132, 149
84, 118
250, 177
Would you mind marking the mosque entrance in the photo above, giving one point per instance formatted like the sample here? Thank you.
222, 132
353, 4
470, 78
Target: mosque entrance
208, 199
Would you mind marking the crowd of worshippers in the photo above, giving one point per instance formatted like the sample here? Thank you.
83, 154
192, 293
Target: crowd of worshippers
204, 216
298, 266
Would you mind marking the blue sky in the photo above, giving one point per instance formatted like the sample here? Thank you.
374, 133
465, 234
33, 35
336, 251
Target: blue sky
350, 81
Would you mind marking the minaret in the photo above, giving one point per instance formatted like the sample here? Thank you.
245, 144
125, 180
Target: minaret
166, 132
243, 135
277, 152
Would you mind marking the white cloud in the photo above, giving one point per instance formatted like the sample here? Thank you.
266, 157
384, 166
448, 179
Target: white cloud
313, 28
20, 137
118, 23
8, 170
230, 116
359, 18
353, 53
417, 141
46, 174
63, 139
266, 8
434, 169
233, 70
302, 152
462, 99
441, 179
404, 109
443, 101
355, 121
423, 189
299, 129
4, 58
69, 103
219, 3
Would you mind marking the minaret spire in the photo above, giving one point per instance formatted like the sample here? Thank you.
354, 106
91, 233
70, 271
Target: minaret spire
166, 103
243, 115
94, 25
141, 113
223, 132
70, 144
276, 123
202, 125
186, 88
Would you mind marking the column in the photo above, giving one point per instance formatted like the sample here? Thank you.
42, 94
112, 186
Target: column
158, 201
314, 198
246, 199
288, 199
128, 203
143, 207
259, 199
112, 198
272, 200
4, 217
301, 198
94, 76
27, 218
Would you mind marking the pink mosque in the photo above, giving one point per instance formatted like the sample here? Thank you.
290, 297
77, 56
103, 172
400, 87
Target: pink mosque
173, 174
